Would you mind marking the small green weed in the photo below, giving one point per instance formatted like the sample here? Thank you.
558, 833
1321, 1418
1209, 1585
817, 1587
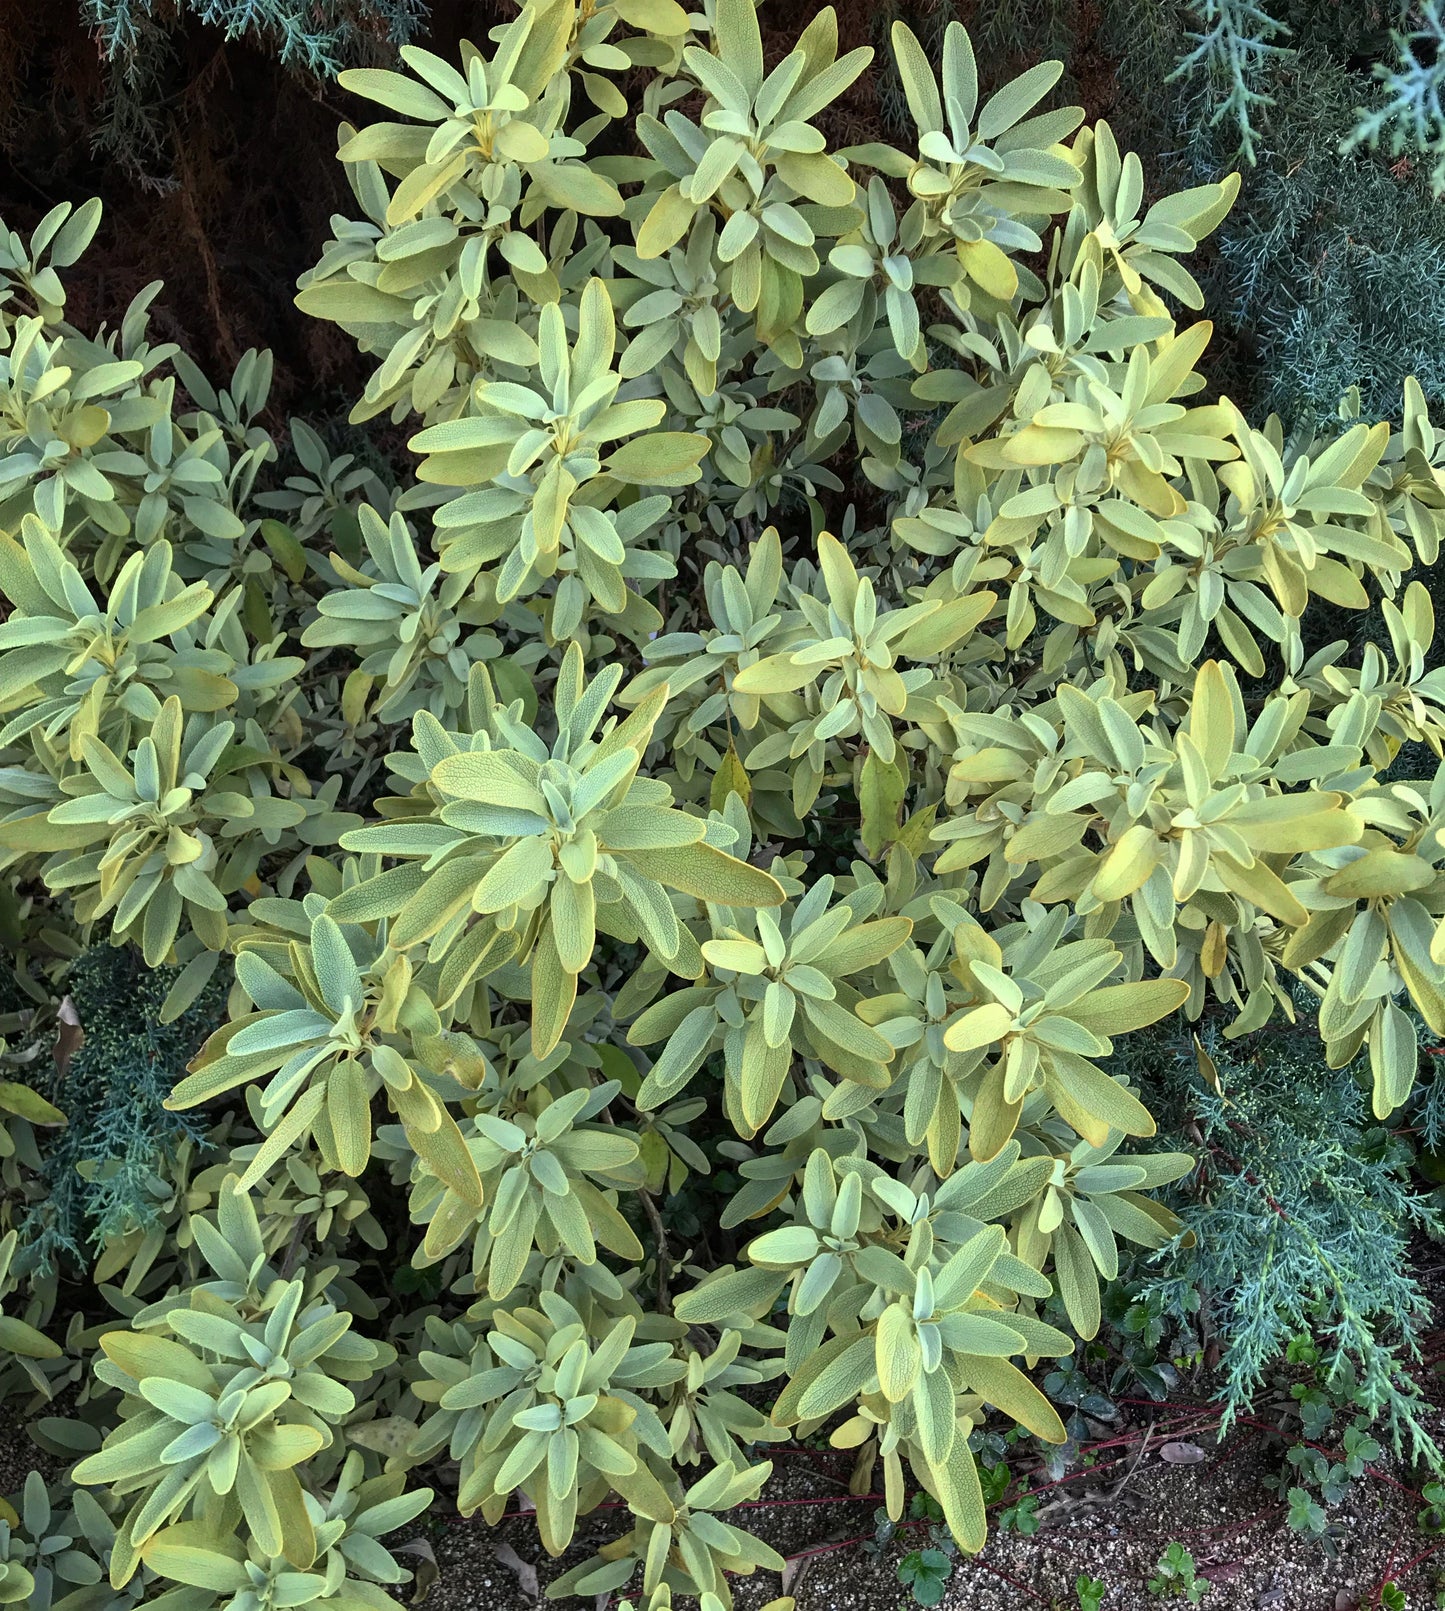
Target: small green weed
1175, 1576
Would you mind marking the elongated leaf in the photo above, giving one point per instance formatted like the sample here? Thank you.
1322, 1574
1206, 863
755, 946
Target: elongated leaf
710, 874
734, 1293
1118, 1009
898, 1356
1077, 1280
1008, 1389
188, 1553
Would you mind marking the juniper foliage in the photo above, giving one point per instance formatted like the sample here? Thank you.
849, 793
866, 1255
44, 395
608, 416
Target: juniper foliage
1428, 1121
1237, 44
1410, 111
1329, 272
1335, 264
319, 36
103, 1170
1310, 1211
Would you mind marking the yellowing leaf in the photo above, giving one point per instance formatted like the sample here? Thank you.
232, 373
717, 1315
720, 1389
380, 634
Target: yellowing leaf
1382, 872
961, 1496
143, 1354
1041, 445
988, 267
189, 1553
1127, 863
1291, 823
27, 1104
665, 224
776, 674
16, 1337
1094, 1102
1263, 887
660, 459
731, 778
979, 1026
1007, 1388
1211, 718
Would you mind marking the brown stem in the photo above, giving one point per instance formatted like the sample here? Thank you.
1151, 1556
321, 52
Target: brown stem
289, 1262
659, 1232
1133, 1465
649, 1204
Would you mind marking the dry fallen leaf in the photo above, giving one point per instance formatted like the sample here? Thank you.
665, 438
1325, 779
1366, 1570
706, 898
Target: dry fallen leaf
424, 1574
524, 1572
70, 1036
794, 1572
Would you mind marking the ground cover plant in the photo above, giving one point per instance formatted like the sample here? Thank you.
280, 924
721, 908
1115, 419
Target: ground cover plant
833, 677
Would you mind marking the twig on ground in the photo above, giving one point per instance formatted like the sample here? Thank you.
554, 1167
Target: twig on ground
1133, 1465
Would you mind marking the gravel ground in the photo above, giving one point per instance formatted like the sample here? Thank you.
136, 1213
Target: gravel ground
16, 1460
1220, 1508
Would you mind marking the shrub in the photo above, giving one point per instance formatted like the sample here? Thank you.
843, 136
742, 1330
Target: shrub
1297, 1223
831, 678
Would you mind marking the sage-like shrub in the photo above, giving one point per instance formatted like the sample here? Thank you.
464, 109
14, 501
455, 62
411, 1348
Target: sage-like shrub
831, 676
